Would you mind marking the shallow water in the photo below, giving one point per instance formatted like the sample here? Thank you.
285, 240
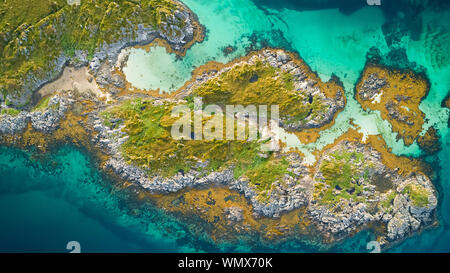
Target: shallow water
63, 198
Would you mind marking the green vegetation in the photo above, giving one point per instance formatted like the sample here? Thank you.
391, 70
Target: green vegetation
389, 200
43, 104
150, 145
418, 194
264, 174
10, 111
342, 174
260, 84
34, 33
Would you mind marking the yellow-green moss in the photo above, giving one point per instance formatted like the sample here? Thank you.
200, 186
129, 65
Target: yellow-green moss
260, 84
34, 33
10, 111
150, 145
387, 203
42, 104
263, 174
341, 173
418, 194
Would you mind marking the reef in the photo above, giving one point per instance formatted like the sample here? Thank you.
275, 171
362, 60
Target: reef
397, 95
446, 102
429, 142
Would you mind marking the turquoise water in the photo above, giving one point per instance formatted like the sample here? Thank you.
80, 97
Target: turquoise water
47, 203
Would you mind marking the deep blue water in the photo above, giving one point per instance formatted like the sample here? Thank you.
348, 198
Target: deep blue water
49, 200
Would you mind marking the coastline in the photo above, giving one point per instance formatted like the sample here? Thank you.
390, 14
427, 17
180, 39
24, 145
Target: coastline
103, 158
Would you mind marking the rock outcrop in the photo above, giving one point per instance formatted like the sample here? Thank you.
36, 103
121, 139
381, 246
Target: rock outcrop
178, 29
368, 191
42, 120
397, 94
302, 84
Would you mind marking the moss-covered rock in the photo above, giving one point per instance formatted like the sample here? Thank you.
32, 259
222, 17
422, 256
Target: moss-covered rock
429, 142
39, 37
272, 77
397, 95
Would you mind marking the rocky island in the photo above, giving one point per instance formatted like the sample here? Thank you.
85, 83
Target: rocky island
229, 190
397, 95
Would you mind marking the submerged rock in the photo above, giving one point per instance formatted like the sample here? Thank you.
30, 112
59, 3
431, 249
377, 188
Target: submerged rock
234, 214
429, 142
371, 86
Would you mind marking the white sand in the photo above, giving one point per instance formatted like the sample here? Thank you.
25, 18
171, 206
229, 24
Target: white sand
72, 78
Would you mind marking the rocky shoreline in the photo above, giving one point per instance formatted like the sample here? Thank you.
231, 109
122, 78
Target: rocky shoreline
279, 59
398, 211
45, 120
298, 189
177, 38
397, 94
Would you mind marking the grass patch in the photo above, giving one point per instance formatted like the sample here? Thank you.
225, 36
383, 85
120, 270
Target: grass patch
151, 145
260, 84
10, 111
43, 104
386, 204
341, 173
418, 194
265, 173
